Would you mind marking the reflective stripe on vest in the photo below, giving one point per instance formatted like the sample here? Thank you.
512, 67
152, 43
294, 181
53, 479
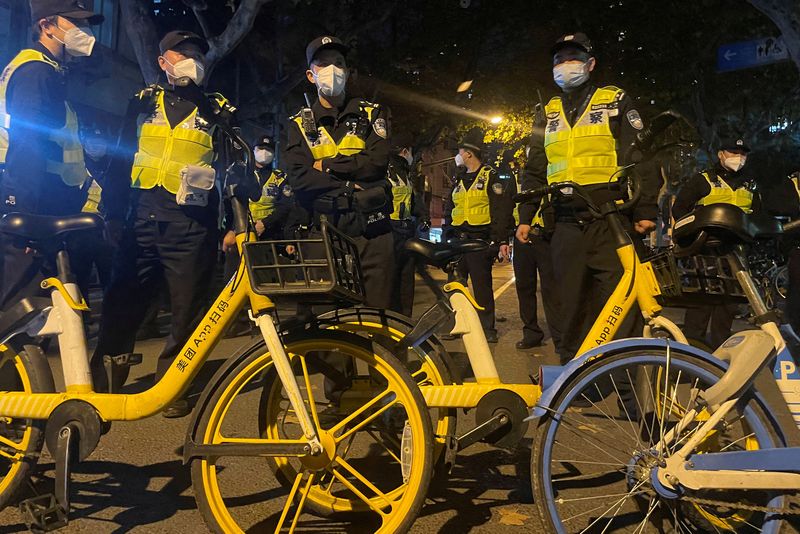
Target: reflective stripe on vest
585, 153
92, 204
796, 182
401, 197
71, 167
264, 206
163, 150
325, 147
471, 205
722, 193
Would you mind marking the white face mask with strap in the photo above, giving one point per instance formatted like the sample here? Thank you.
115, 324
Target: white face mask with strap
78, 41
330, 80
263, 156
735, 163
186, 70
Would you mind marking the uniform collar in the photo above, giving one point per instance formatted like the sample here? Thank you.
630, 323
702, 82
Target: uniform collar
352, 105
39, 47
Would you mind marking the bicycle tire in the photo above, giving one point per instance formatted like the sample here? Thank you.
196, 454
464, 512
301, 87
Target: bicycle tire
547, 483
32, 375
405, 501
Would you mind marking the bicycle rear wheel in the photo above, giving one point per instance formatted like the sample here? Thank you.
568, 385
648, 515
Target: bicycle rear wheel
376, 432
593, 456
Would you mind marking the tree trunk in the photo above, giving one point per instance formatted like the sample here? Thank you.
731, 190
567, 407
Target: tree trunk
141, 31
237, 29
785, 14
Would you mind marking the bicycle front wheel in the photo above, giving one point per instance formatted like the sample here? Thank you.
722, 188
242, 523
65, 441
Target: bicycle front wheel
373, 424
594, 455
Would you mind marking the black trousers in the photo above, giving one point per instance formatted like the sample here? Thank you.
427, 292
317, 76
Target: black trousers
587, 268
91, 250
793, 298
718, 320
404, 268
477, 267
533, 261
183, 253
23, 271
377, 267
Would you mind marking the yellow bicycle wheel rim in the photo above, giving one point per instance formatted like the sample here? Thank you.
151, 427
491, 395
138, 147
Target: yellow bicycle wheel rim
15, 459
391, 520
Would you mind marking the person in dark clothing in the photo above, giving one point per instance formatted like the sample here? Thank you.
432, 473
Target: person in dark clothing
725, 184
40, 147
583, 136
533, 260
407, 213
166, 196
792, 209
481, 206
336, 157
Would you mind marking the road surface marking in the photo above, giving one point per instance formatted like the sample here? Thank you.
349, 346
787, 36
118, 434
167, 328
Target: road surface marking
502, 289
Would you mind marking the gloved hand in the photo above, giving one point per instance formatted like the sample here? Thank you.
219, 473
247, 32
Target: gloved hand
424, 226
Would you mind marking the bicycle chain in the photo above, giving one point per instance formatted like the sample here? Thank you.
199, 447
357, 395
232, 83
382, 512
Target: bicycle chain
790, 509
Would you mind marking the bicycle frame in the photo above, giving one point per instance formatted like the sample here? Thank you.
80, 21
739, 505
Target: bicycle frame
121, 407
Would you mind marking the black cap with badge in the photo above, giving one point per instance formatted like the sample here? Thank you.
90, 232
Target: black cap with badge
473, 142
734, 144
69, 9
178, 37
264, 141
577, 40
323, 43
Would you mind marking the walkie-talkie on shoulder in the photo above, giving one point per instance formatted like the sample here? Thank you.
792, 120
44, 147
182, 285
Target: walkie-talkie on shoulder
307, 120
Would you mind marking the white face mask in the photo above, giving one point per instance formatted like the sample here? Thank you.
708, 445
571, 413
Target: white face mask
330, 80
95, 148
78, 41
570, 74
263, 156
187, 70
409, 157
460, 160
735, 163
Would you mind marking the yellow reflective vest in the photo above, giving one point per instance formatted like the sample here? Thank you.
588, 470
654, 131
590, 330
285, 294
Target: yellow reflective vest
270, 193
70, 166
722, 193
92, 204
796, 182
325, 147
164, 150
586, 152
471, 206
402, 193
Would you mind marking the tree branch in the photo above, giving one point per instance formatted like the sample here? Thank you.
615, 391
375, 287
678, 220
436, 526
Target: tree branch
786, 16
237, 29
141, 31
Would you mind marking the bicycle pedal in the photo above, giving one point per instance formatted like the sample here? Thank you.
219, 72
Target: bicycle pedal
43, 513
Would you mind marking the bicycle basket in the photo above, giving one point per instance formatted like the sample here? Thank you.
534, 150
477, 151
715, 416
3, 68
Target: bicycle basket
323, 269
695, 280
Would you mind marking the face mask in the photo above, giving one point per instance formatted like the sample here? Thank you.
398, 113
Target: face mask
78, 41
95, 149
570, 75
263, 156
330, 80
734, 163
187, 70
460, 161
409, 158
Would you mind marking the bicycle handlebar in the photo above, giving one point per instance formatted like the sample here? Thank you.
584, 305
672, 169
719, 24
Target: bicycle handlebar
792, 226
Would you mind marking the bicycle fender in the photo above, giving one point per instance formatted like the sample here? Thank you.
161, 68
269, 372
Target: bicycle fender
550, 393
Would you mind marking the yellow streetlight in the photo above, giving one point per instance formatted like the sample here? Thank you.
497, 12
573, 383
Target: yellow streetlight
497, 119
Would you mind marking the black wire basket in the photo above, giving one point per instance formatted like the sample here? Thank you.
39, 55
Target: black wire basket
323, 268
696, 280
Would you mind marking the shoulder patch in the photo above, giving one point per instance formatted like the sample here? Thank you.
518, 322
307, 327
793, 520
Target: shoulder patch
635, 119
380, 128
497, 188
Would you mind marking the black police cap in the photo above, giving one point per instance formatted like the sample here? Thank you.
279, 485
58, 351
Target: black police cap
734, 144
264, 140
401, 139
71, 9
473, 141
578, 40
179, 37
323, 43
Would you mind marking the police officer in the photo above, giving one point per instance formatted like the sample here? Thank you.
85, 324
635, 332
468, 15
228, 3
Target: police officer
583, 136
533, 261
91, 249
407, 213
480, 206
271, 211
336, 156
724, 184
792, 209
39, 137
167, 190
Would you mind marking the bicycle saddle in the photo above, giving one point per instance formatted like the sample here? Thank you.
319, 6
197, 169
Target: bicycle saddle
440, 254
717, 223
41, 227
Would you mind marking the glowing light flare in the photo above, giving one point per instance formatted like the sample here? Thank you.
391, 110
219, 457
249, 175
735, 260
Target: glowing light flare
497, 119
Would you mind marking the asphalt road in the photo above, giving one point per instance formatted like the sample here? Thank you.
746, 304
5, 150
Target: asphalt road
135, 480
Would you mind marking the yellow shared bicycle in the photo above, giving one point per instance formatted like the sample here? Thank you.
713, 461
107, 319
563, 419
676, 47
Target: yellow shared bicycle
357, 457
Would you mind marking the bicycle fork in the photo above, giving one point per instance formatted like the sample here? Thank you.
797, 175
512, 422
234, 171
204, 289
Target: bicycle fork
283, 366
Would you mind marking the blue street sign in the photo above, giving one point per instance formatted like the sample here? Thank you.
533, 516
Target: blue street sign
747, 54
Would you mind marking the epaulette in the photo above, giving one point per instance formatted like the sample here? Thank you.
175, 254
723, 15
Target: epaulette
366, 104
279, 173
223, 103
150, 92
295, 116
